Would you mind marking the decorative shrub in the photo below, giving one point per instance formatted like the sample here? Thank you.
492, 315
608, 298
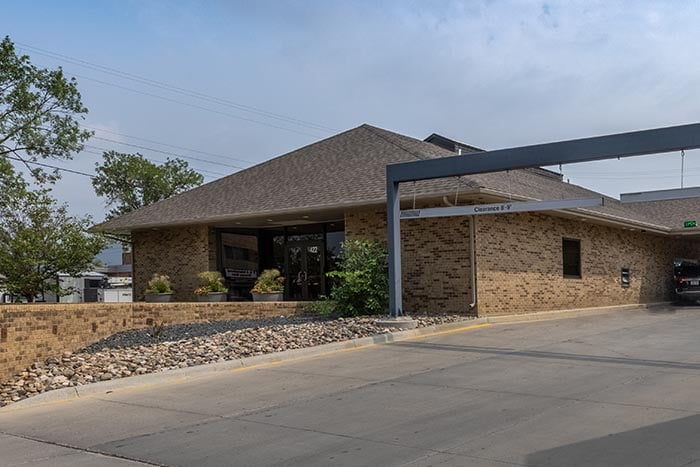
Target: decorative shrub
159, 283
269, 281
362, 286
322, 307
210, 282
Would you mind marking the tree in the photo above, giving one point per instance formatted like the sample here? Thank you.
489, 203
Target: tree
39, 239
130, 181
38, 110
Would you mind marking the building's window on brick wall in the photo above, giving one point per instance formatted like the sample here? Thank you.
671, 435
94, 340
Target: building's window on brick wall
571, 254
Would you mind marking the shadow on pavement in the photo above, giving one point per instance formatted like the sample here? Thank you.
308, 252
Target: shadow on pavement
551, 355
673, 443
666, 309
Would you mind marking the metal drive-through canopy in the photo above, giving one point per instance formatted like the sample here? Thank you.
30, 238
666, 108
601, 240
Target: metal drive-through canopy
637, 143
660, 195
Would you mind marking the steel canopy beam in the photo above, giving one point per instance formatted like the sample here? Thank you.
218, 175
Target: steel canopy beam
502, 208
636, 143
660, 195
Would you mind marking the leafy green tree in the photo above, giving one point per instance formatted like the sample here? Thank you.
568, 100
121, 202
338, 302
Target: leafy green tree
130, 181
38, 110
363, 285
39, 239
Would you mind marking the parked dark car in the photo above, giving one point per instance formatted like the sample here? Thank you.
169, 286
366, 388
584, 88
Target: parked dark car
686, 277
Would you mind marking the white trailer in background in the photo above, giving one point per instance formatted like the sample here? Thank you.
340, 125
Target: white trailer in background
86, 288
120, 295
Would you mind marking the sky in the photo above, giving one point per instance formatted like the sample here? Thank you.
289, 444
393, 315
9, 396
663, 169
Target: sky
229, 84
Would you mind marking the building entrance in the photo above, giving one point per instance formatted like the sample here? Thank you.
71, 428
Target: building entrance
305, 266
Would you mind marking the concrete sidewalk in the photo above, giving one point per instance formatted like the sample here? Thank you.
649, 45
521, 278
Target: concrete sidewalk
611, 389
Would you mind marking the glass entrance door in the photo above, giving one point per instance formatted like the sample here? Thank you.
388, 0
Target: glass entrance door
305, 279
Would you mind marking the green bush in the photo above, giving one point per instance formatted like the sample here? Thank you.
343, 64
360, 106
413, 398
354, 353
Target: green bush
322, 307
362, 286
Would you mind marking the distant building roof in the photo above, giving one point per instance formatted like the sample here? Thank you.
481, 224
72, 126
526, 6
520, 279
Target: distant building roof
115, 268
451, 145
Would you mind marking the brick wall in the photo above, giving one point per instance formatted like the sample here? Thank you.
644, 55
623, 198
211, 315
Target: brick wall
181, 253
435, 258
32, 332
519, 264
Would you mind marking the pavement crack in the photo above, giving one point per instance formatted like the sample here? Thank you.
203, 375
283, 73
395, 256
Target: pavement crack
367, 440
81, 449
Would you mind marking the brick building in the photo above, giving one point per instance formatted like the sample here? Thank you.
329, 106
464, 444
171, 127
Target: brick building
293, 212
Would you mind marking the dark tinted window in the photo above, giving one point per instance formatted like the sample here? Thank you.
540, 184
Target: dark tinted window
571, 254
689, 271
301, 233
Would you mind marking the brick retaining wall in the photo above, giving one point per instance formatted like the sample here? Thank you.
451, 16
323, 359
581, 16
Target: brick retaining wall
33, 332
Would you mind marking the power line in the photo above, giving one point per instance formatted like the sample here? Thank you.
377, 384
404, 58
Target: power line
194, 106
169, 153
63, 169
77, 172
167, 144
152, 160
180, 90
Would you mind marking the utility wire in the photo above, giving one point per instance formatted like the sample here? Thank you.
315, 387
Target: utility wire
77, 172
63, 169
178, 90
156, 161
169, 153
194, 106
221, 156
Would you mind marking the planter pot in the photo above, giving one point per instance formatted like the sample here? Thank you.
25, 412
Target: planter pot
159, 297
212, 297
268, 297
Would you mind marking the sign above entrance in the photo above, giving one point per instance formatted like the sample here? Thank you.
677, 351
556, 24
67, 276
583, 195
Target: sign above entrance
503, 208
690, 224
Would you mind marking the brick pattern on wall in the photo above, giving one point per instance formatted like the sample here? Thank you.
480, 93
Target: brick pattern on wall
519, 264
33, 332
181, 253
435, 258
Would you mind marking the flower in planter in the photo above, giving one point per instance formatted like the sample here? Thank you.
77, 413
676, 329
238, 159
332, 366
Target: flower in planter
210, 282
159, 283
269, 281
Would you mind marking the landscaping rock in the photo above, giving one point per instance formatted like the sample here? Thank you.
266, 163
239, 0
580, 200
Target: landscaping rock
141, 351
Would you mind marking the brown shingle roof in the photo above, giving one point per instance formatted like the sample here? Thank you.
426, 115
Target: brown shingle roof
346, 169
671, 213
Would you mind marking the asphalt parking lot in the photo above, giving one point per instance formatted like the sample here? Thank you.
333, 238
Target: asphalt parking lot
617, 389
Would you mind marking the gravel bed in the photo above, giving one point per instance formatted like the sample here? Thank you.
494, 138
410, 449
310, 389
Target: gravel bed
137, 352
176, 332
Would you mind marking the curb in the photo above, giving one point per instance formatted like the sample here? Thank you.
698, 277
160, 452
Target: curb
203, 371
563, 314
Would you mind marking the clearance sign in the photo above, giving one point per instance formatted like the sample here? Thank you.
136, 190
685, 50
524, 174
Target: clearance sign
503, 208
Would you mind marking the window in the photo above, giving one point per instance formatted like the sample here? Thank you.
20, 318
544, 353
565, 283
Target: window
240, 256
571, 255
